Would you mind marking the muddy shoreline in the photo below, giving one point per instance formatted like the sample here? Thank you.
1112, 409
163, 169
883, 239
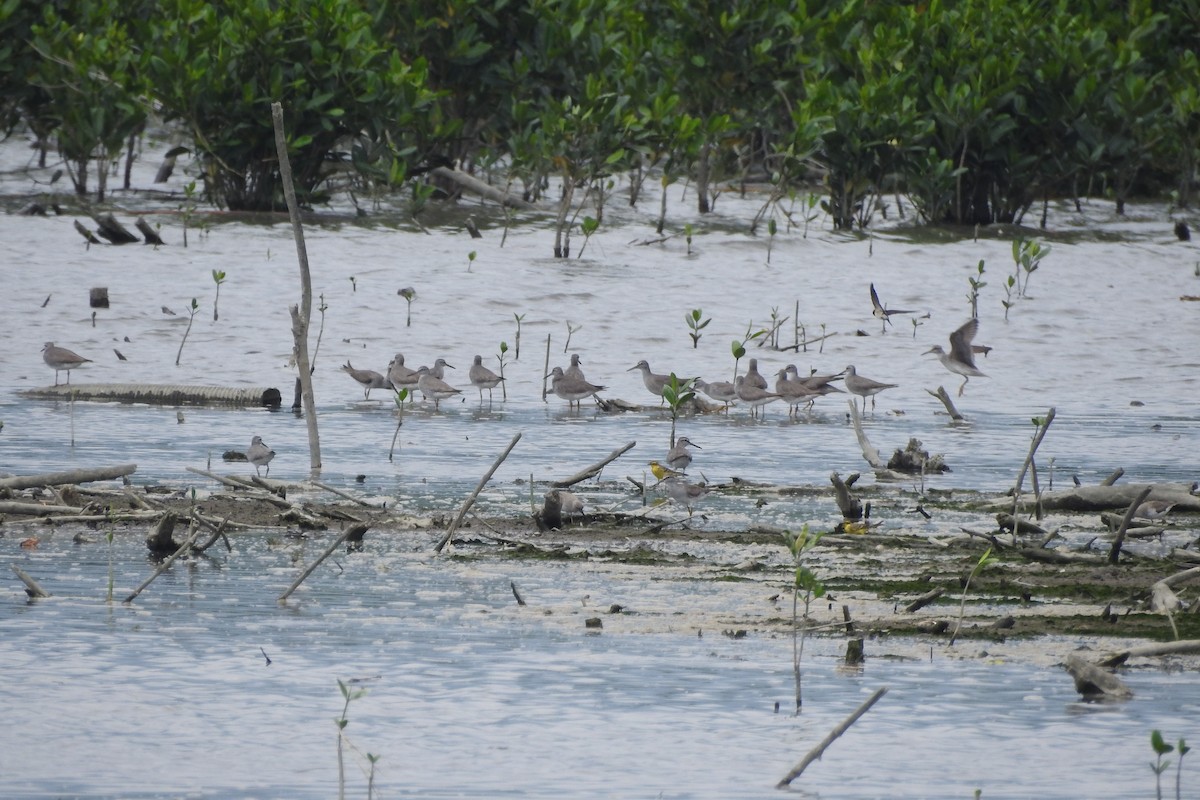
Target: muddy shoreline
1027, 606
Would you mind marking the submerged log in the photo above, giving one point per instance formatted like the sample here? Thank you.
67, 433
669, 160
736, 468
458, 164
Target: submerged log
112, 230
148, 232
86, 234
1095, 683
476, 186
164, 394
18, 482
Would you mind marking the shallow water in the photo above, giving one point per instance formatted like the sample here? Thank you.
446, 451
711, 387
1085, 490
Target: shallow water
473, 696
470, 695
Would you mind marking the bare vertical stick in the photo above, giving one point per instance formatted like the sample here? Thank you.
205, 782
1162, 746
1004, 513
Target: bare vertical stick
817, 751
302, 316
546, 368
312, 567
462, 512
1033, 446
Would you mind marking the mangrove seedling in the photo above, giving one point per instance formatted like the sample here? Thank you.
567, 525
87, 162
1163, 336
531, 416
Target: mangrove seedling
985, 560
1027, 255
695, 326
976, 283
678, 394
1161, 748
502, 357
806, 583
739, 350
322, 308
401, 396
812, 212
589, 226
470, 259
687, 233
571, 329
191, 316
1009, 301
349, 695
772, 228
218, 278
188, 209
517, 341
409, 294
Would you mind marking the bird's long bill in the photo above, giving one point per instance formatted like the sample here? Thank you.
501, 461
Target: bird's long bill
930, 350
631, 369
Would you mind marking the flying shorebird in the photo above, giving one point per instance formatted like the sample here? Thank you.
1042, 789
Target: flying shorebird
864, 387
260, 455
881, 312
483, 378
961, 358
572, 390
678, 457
60, 358
367, 378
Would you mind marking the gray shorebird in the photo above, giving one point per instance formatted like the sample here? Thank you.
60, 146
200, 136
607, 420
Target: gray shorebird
961, 358
434, 388
721, 391
573, 390
753, 376
574, 372
753, 396
438, 370
367, 378
1154, 509
864, 387
794, 392
259, 455
678, 457
60, 358
881, 312
400, 376
483, 378
684, 493
655, 382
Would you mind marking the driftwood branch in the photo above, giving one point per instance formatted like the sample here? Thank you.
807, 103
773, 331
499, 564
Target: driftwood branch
868, 450
594, 470
1105, 498
944, 396
819, 750
1114, 552
924, 600
32, 587
484, 190
847, 503
340, 493
471, 499
313, 566
71, 476
1185, 647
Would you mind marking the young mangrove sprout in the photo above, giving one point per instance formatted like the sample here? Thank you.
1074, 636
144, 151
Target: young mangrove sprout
188, 209
678, 394
191, 316
985, 560
571, 330
401, 396
772, 229
218, 277
976, 283
1161, 748
517, 340
805, 583
695, 325
589, 226
502, 357
409, 294
1027, 256
687, 233
471, 259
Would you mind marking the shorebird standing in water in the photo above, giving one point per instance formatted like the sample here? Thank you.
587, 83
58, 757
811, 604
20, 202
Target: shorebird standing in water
434, 388
864, 387
678, 457
573, 390
260, 455
961, 358
367, 378
483, 378
60, 358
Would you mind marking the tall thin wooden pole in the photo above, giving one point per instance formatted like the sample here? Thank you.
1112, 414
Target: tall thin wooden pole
303, 315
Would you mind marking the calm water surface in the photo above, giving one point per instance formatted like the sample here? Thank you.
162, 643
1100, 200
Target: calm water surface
469, 695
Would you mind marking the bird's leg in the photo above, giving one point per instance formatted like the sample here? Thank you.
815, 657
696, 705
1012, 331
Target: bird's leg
964, 385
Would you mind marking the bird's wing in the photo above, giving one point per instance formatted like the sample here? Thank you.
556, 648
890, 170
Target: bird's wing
960, 341
878, 306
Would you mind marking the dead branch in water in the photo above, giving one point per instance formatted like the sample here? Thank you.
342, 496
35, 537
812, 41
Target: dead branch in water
1115, 552
462, 512
183, 548
71, 476
1185, 647
819, 750
944, 396
868, 450
32, 587
359, 529
594, 470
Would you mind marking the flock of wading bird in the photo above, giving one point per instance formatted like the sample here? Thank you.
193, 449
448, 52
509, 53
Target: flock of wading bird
751, 389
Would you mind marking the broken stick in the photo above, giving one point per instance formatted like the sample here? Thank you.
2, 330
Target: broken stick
462, 512
594, 470
819, 750
328, 552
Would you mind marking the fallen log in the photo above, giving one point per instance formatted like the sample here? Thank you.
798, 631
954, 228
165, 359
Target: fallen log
1106, 498
86, 234
151, 236
484, 190
160, 394
109, 228
35, 509
1184, 647
71, 476
924, 600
